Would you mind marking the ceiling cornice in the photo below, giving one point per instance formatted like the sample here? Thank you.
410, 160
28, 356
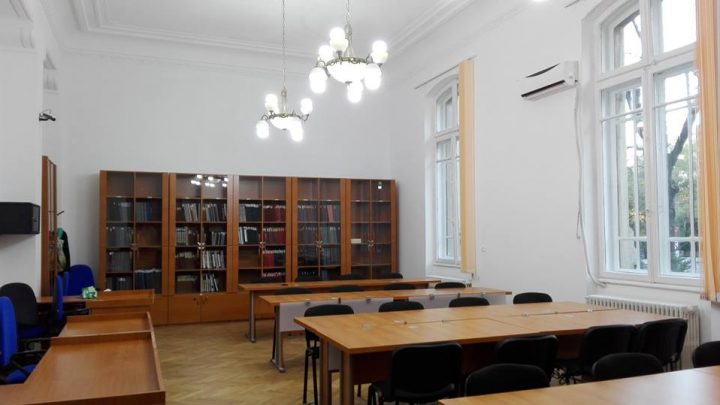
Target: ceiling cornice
426, 23
16, 31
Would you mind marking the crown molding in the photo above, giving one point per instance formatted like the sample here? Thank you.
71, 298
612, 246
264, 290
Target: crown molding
427, 22
16, 31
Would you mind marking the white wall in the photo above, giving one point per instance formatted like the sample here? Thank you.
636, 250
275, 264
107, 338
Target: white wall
134, 114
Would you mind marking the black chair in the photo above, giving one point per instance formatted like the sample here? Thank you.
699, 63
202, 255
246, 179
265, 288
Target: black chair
346, 288
303, 279
505, 378
312, 342
394, 306
286, 291
388, 275
597, 342
352, 276
15, 366
663, 339
468, 302
419, 374
531, 298
535, 350
29, 323
399, 286
707, 354
624, 365
450, 284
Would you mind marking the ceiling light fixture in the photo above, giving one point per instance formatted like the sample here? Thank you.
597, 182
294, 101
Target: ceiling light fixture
338, 60
208, 181
277, 109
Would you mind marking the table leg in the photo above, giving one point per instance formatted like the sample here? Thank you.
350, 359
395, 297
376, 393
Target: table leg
251, 317
325, 376
347, 396
277, 356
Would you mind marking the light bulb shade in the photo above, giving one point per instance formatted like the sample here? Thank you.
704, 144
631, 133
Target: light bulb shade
317, 74
296, 132
379, 57
379, 46
373, 70
318, 87
271, 102
338, 40
306, 106
347, 72
326, 53
372, 82
262, 129
354, 92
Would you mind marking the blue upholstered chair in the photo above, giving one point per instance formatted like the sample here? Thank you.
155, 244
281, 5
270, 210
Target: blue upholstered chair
80, 276
15, 366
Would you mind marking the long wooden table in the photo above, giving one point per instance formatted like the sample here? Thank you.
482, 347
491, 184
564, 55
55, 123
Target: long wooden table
97, 359
366, 341
108, 302
256, 289
699, 386
277, 302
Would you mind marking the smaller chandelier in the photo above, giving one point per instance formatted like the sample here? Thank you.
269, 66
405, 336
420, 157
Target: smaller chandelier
277, 114
338, 60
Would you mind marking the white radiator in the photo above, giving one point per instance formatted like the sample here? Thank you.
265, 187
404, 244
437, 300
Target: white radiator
687, 312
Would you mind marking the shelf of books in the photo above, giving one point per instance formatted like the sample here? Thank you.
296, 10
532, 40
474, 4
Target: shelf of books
199, 245
318, 212
372, 227
262, 233
133, 214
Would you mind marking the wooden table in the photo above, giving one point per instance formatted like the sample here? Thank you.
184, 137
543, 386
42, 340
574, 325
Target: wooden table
277, 301
110, 301
105, 359
366, 346
695, 386
256, 289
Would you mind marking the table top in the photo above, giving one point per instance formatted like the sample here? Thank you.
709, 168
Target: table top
695, 386
89, 325
332, 283
578, 322
108, 299
396, 294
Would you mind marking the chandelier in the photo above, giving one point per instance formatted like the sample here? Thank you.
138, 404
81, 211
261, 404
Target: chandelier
338, 60
209, 181
277, 109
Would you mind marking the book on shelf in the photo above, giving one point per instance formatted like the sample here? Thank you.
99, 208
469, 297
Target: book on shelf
119, 261
146, 211
119, 283
330, 213
274, 235
274, 212
249, 212
186, 283
210, 283
119, 235
120, 211
274, 257
187, 212
330, 234
215, 212
212, 259
148, 279
330, 256
217, 238
307, 212
248, 235
186, 236
186, 260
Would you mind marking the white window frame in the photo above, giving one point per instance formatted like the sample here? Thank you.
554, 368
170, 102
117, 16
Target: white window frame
606, 78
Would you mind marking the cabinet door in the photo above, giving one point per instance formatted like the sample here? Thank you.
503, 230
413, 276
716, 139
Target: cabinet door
159, 310
222, 307
184, 309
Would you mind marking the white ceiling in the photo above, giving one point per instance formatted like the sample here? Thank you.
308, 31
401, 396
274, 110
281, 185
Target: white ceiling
254, 25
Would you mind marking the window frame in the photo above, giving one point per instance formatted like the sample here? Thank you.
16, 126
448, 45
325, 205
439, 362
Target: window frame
606, 78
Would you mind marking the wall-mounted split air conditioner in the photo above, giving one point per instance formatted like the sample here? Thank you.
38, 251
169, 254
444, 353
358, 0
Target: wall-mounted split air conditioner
550, 80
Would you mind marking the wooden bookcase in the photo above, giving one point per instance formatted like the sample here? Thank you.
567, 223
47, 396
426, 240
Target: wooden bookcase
372, 222
133, 234
318, 206
50, 266
263, 229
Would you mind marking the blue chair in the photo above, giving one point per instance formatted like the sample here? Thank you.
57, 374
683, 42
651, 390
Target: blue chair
15, 366
59, 312
29, 323
66, 281
79, 277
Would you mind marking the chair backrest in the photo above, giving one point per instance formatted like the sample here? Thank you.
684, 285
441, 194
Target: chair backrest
325, 310
302, 279
66, 281
8, 331
292, 291
468, 302
80, 276
599, 341
400, 306
352, 276
531, 298
365, 305
707, 354
535, 350
58, 303
623, 365
505, 378
663, 339
426, 369
434, 301
388, 274
399, 286
288, 311
346, 288
450, 284
23, 299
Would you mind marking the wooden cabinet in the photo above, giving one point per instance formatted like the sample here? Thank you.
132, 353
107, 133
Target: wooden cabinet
190, 308
50, 266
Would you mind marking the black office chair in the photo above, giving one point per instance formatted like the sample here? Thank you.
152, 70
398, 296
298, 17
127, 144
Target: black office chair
663, 339
399, 286
15, 366
303, 279
449, 284
346, 288
388, 275
498, 378
624, 365
597, 342
394, 306
419, 374
23, 299
531, 298
352, 276
535, 350
468, 302
312, 342
286, 291
707, 354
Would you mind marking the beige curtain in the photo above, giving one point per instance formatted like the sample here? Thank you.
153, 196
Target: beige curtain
708, 147
466, 84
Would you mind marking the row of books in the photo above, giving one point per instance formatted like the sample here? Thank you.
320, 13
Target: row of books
186, 236
274, 235
274, 213
147, 211
249, 212
274, 258
187, 212
186, 283
119, 283
218, 238
121, 235
215, 212
329, 257
212, 259
119, 261
248, 235
148, 279
210, 283
273, 276
186, 260
328, 234
119, 210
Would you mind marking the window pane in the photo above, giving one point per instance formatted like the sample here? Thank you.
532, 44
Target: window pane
446, 187
678, 24
623, 100
677, 86
633, 254
444, 112
627, 41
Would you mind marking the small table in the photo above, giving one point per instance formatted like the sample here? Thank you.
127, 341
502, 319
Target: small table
110, 301
105, 324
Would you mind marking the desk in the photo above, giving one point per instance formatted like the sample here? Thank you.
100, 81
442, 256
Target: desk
105, 324
366, 347
110, 301
282, 303
255, 289
695, 386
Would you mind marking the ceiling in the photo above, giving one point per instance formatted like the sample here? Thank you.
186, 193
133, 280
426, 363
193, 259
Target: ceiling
255, 25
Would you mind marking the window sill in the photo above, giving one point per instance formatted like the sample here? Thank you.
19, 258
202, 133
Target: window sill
657, 286
444, 264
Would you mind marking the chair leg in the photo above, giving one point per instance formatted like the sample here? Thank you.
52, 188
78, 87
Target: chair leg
305, 379
315, 388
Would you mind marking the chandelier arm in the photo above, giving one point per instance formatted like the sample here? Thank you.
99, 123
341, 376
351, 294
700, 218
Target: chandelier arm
284, 65
347, 12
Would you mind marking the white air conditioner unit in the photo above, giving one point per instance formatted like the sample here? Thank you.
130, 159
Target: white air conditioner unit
550, 80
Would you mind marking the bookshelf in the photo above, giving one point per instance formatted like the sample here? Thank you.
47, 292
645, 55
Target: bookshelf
48, 227
318, 210
372, 237
133, 234
263, 235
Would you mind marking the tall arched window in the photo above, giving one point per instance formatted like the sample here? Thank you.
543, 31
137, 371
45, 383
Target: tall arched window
648, 121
